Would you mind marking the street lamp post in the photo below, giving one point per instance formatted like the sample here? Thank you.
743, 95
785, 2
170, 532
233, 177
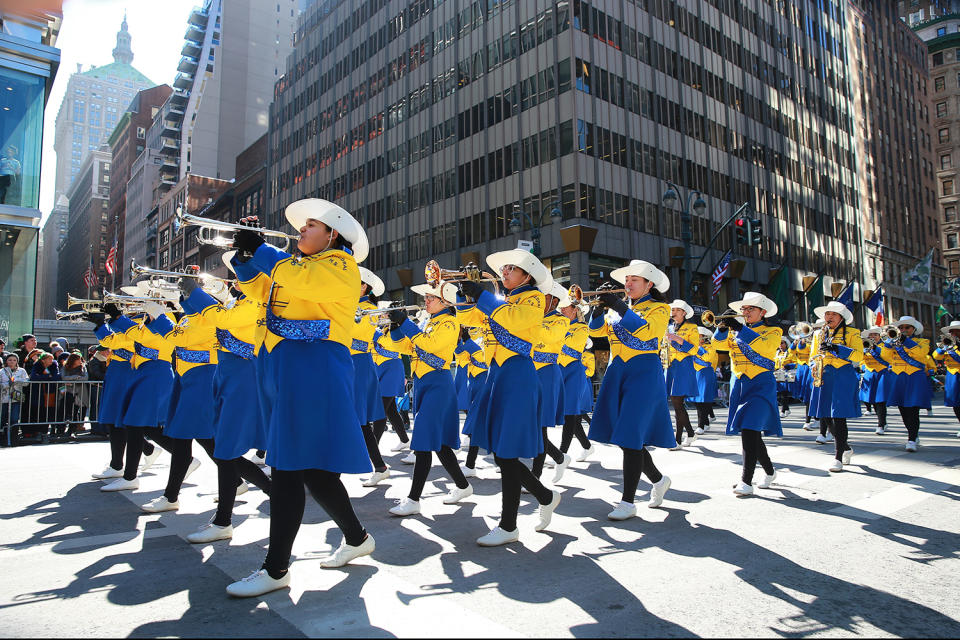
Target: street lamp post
516, 224
670, 198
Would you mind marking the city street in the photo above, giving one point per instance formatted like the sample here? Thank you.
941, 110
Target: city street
871, 551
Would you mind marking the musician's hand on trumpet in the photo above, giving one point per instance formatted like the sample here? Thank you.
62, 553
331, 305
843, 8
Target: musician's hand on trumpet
112, 310
98, 318
247, 241
472, 290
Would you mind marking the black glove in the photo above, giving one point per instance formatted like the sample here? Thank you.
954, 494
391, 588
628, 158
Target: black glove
731, 324
96, 318
188, 286
397, 317
613, 301
471, 289
597, 311
829, 346
246, 242
113, 311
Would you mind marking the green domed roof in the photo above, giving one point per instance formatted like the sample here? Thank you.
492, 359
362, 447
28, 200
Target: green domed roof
118, 70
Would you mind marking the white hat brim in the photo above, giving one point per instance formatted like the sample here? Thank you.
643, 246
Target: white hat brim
447, 292
642, 269
681, 304
589, 344
376, 284
953, 325
526, 261
335, 217
836, 307
753, 299
706, 333
558, 292
227, 257
916, 324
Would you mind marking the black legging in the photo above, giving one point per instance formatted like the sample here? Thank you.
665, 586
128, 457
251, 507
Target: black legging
136, 445
880, 408
784, 401
956, 412
754, 451
704, 409
380, 426
548, 449
682, 417
118, 444
635, 463
472, 452
911, 420
514, 475
838, 427
823, 426
229, 474
573, 427
373, 448
286, 512
422, 469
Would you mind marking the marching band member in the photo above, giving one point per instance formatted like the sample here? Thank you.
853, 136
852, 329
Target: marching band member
479, 365
546, 353
784, 361
434, 399
683, 341
705, 365
753, 389
839, 350
313, 433
908, 358
801, 386
366, 385
505, 419
950, 357
877, 381
462, 361
635, 367
391, 377
575, 383
589, 362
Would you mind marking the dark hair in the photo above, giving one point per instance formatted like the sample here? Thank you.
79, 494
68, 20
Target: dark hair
11, 355
657, 295
370, 294
74, 360
27, 336
340, 242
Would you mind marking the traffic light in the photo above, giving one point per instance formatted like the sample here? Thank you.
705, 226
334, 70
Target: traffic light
743, 231
755, 232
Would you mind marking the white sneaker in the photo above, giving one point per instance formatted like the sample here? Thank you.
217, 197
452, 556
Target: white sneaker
821, 440
257, 584
881, 430
468, 472
498, 536
257, 460
586, 453
242, 488
658, 491
410, 458
929, 413
377, 477
457, 494
743, 489
160, 504
699, 431
911, 446
958, 434
767, 480
623, 511
210, 533
688, 440
706, 427
401, 446
808, 426
835, 467
194, 464
546, 511
147, 461
677, 447
406, 507
561, 468
267, 471
346, 553
847, 456
829, 437
108, 473
121, 485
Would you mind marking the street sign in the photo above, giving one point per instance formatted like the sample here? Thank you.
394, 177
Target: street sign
526, 245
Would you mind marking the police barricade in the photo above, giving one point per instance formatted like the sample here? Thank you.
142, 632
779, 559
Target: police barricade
47, 411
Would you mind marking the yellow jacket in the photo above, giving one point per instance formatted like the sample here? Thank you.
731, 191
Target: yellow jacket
432, 348
848, 349
784, 358
573, 343
547, 350
515, 323
801, 352
691, 341
589, 363
872, 360
146, 341
706, 357
237, 324
474, 348
363, 331
643, 327
321, 287
912, 355
383, 348
114, 337
195, 343
950, 359
752, 349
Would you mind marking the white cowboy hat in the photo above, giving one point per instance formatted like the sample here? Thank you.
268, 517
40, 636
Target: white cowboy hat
680, 304
706, 333
376, 284
836, 307
643, 269
333, 216
526, 261
589, 344
754, 299
558, 292
227, 257
447, 292
873, 329
953, 325
911, 321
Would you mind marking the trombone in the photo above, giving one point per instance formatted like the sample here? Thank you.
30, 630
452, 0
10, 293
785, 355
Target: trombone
208, 282
214, 228
710, 320
576, 295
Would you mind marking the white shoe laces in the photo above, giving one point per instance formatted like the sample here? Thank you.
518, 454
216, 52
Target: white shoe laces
253, 576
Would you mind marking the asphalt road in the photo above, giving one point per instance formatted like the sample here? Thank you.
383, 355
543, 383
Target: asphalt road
871, 551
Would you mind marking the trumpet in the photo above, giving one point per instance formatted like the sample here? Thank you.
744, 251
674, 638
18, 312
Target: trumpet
710, 320
119, 300
208, 282
210, 226
72, 316
800, 331
947, 342
576, 295
367, 313
892, 332
435, 276
88, 304
870, 343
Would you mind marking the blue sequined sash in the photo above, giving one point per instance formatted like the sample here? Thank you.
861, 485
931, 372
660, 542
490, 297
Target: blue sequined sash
306, 330
229, 342
123, 353
193, 356
384, 352
906, 357
360, 345
544, 357
431, 359
508, 340
631, 341
146, 352
570, 352
477, 363
754, 357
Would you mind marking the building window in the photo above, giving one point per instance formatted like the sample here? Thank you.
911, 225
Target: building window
941, 109
955, 267
952, 241
938, 59
946, 161
940, 83
948, 187
941, 31
950, 214
943, 135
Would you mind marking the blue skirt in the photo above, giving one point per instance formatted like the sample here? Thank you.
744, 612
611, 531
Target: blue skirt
631, 409
803, 385
753, 405
506, 418
366, 386
586, 394
391, 376
148, 397
681, 378
312, 421
911, 390
436, 414
237, 422
706, 385
837, 397
115, 384
460, 385
552, 398
474, 387
575, 384
191, 404
876, 385
951, 390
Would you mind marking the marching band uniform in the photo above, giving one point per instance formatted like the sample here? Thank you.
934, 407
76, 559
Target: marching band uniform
589, 362
313, 435
391, 377
908, 359
784, 361
434, 401
681, 373
575, 382
802, 387
836, 398
546, 354
506, 417
950, 358
479, 366
366, 385
877, 381
753, 389
462, 360
705, 366
635, 367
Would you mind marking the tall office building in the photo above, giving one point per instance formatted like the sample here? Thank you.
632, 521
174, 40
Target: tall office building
431, 120
92, 106
52, 237
893, 136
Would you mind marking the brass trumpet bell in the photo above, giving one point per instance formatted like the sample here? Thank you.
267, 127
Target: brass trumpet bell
947, 342
710, 320
892, 332
577, 295
87, 304
800, 331
210, 230
434, 275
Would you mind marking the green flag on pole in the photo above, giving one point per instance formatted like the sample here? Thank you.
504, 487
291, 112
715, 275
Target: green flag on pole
779, 289
815, 295
941, 311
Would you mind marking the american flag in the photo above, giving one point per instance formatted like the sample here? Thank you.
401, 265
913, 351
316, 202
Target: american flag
90, 278
875, 304
719, 273
111, 264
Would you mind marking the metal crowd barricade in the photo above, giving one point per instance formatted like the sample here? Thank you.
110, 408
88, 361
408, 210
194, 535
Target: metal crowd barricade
48, 410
